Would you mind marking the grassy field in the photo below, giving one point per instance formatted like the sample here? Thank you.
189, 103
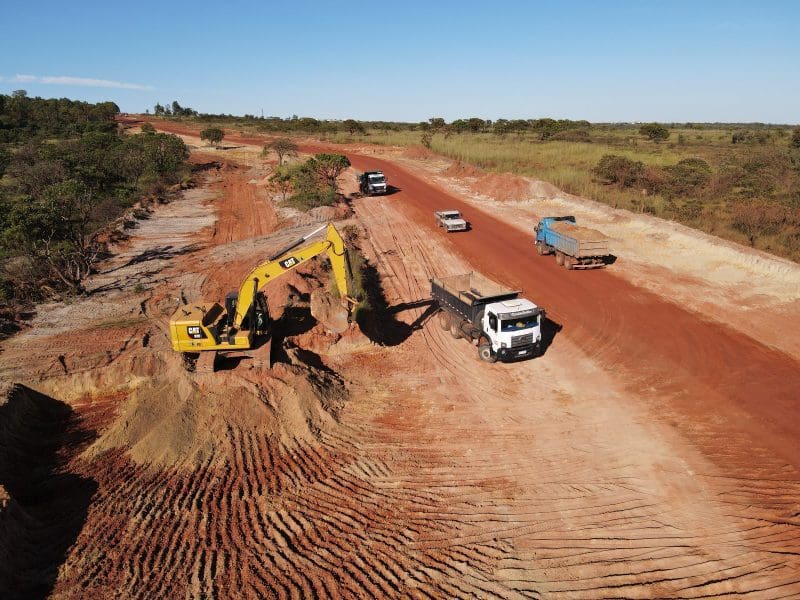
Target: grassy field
743, 175
749, 191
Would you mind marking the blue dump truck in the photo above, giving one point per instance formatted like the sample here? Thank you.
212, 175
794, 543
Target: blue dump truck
575, 247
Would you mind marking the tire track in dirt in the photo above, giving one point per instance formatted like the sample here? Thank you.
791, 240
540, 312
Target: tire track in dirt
444, 477
633, 543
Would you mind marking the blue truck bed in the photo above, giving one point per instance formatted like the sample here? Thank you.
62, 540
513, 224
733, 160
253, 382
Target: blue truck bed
575, 246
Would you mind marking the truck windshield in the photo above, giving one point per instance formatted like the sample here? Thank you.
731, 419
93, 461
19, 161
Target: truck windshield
376, 179
519, 324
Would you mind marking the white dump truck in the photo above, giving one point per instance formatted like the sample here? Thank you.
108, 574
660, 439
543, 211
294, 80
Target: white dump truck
451, 220
372, 183
500, 323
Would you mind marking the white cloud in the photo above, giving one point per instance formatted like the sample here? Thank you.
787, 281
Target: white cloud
79, 81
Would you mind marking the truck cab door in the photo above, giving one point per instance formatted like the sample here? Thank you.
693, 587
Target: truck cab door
490, 325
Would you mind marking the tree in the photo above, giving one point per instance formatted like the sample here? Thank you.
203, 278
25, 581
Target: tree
619, 169
757, 217
794, 141
310, 190
328, 167
654, 131
281, 180
213, 135
165, 153
687, 176
281, 147
437, 123
353, 126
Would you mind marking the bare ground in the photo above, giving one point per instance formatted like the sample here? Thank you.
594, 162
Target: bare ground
403, 467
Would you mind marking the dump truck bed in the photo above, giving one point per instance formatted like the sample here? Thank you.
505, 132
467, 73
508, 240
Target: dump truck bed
466, 294
577, 241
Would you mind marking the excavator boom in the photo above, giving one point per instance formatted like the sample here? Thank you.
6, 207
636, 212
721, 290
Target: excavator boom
286, 260
199, 327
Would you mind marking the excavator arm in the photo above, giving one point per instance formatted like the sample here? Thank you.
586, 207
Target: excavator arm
288, 259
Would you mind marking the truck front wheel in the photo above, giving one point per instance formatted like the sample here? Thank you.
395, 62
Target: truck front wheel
485, 353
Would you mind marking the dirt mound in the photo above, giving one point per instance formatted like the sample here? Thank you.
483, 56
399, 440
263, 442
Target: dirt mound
328, 311
183, 419
460, 169
502, 186
578, 232
499, 186
418, 152
543, 189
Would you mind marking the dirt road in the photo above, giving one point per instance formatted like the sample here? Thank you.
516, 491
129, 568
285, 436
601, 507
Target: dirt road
614, 466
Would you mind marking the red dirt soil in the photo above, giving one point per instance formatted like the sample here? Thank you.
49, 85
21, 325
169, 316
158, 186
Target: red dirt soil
413, 470
659, 345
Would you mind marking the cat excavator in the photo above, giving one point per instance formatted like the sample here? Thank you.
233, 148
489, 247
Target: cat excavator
243, 324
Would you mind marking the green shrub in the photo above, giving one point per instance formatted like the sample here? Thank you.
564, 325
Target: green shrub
686, 176
620, 170
654, 131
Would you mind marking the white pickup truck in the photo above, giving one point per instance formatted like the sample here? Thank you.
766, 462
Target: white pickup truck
451, 220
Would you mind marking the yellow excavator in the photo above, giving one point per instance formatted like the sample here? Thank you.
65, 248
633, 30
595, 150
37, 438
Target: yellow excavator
244, 322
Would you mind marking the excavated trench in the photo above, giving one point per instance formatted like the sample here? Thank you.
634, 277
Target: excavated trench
44, 502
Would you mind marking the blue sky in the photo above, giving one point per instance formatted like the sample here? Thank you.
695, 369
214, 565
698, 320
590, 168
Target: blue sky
601, 60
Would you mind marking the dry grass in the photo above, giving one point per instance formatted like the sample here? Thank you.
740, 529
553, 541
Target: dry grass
568, 165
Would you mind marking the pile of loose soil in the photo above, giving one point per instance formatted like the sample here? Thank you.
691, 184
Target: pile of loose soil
502, 186
460, 169
418, 152
498, 186
183, 419
578, 232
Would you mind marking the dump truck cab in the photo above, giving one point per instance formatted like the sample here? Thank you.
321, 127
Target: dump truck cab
513, 328
544, 225
373, 183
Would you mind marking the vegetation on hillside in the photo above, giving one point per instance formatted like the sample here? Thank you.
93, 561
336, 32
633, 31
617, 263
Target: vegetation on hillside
66, 173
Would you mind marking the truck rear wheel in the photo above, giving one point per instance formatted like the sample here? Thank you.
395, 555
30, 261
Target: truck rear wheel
559, 257
539, 248
444, 320
569, 263
455, 329
485, 353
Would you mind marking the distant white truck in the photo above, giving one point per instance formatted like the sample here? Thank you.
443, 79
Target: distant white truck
451, 220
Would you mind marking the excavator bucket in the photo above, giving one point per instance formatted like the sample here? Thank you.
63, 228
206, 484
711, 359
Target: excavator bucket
329, 311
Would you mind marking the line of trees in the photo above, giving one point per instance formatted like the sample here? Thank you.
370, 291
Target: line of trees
23, 118
173, 110
62, 183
